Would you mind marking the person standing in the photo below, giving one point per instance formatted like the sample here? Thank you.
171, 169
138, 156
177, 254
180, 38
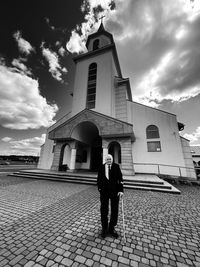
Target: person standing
110, 186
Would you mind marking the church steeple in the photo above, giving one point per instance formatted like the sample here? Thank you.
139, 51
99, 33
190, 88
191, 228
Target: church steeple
94, 85
99, 39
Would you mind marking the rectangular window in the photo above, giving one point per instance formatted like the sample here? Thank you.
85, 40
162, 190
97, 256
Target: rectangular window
154, 146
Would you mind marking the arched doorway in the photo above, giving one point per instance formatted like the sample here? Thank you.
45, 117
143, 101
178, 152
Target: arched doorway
114, 149
89, 146
65, 157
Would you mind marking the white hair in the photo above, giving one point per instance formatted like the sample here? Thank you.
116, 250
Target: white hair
109, 156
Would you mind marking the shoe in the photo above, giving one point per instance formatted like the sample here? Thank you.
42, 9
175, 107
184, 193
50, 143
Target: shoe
103, 233
113, 233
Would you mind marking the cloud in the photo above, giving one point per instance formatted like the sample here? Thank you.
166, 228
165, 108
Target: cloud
6, 139
21, 105
20, 66
29, 146
193, 137
157, 41
54, 66
62, 51
24, 46
48, 23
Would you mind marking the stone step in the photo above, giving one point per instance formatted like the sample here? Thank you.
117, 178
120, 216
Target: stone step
55, 178
91, 179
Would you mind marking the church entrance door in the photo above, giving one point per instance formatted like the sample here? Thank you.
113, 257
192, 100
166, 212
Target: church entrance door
96, 154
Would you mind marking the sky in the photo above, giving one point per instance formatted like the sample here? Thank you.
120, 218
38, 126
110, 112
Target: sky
158, 45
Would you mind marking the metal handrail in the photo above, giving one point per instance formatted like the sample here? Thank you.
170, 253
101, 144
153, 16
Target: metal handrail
166, 165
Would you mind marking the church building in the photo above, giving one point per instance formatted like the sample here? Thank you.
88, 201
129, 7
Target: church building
104, 119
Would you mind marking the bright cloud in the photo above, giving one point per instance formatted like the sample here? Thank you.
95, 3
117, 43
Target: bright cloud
29, 146
24, 46
193, 137
54, 66
20, 66
6, 139
21, 105
62, 51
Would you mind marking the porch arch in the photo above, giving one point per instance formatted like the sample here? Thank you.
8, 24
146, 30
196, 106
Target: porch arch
89, 145
65, 157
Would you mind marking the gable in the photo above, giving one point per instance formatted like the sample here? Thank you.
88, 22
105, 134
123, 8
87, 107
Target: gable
107, 126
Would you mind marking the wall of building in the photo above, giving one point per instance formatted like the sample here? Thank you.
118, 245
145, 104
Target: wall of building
188, 158
46, 155
120, 103
171, 149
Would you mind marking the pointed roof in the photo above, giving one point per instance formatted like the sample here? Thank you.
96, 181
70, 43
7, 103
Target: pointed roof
101, 28
100, 31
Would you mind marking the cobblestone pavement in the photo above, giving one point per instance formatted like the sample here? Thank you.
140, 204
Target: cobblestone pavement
48, 223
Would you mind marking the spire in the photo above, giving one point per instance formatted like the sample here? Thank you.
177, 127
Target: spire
100, 32
101, 27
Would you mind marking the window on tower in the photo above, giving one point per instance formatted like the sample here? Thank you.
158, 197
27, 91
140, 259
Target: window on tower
96, 44
91, 89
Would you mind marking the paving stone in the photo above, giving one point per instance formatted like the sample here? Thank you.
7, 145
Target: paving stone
80, 259
87, 254
89, 262
105, 261
65, 217
67, 262
123, 260
16, 260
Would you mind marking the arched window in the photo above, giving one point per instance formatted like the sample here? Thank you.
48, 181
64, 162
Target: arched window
152, 132
96, 44
91, 90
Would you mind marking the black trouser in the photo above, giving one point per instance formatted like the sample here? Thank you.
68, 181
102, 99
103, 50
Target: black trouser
114, 199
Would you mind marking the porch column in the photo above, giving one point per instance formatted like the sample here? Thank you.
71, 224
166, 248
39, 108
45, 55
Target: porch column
126, 154
105, 153
56, 156
105, 150
73, 159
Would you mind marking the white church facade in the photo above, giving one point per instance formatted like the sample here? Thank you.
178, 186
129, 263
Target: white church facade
104, 119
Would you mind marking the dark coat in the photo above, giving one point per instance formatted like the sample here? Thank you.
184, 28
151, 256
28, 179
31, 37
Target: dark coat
115, 182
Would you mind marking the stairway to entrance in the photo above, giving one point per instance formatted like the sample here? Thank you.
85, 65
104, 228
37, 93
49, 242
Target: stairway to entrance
147, 182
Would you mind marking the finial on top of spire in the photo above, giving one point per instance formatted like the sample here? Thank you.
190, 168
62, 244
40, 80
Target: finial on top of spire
101, 18
101, 27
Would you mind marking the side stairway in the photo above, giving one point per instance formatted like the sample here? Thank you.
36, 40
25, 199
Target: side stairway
147, 182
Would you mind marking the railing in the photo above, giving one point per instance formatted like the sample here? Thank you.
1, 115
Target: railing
159, 169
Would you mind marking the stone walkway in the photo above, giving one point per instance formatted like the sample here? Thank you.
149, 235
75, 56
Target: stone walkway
46, 223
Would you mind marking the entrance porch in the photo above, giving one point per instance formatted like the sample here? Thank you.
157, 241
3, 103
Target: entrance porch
84, 141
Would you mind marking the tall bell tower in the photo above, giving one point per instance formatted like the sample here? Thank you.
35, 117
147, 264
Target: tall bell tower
95, 75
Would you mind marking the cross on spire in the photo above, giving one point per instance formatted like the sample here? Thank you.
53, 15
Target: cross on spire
101, 18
